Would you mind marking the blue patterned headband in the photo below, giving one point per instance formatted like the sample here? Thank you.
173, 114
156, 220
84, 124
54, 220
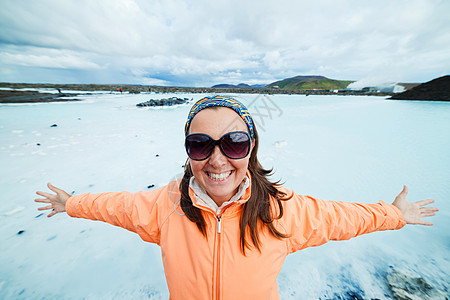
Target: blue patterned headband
224, 102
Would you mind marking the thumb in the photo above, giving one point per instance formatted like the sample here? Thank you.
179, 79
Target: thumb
404, 192
401, 198
54, 188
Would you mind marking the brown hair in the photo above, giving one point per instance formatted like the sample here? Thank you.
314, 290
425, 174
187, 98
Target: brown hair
256, 211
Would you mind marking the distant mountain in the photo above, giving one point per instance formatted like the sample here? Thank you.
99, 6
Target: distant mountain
258, 86
437, 89
232, 86
294, 83
309, 83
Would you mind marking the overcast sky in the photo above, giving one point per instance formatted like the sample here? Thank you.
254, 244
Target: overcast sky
205, 42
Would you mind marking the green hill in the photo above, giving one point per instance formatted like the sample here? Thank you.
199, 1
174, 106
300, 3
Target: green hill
309, 83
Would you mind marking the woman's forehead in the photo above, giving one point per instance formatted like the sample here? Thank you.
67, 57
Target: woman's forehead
217, 121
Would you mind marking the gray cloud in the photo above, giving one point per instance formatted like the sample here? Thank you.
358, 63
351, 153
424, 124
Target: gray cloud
201, 43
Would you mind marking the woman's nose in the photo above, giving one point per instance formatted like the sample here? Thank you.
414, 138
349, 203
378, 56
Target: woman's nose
217, 158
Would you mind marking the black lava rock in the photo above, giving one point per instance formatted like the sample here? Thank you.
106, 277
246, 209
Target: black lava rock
163, 102
435, 90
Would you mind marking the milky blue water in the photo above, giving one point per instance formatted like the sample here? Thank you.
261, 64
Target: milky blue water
358, 149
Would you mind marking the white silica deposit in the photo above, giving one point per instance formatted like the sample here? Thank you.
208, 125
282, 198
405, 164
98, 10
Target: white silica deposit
357, 149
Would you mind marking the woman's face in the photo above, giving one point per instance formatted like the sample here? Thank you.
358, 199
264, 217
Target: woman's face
219, 175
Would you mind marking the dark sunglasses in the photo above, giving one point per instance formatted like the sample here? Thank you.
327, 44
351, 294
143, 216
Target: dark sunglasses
234, 145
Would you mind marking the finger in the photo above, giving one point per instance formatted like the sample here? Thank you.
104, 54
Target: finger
46, 207
52, 214
429, 209
43, 194
427, 214
425, 202
425, 223
42, 200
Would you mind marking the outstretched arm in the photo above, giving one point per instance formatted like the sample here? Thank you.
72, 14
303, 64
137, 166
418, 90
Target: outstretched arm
413, 212
57, 202
313, 222
137, 212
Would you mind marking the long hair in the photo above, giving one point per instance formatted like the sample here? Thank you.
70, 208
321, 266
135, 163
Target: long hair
255, 212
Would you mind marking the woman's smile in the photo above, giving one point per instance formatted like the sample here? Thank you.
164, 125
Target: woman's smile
219, 177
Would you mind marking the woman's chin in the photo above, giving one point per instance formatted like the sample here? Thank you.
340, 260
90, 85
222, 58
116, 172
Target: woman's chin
220, 196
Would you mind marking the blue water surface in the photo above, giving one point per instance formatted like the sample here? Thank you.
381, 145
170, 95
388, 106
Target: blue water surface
348, 148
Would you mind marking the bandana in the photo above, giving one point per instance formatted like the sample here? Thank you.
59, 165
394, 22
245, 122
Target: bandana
224, 102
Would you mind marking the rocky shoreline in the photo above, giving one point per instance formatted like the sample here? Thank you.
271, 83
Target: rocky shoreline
13, 96
34, 97
438, 90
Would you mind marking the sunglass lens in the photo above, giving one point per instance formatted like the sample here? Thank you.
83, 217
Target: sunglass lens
236, 144
198, 146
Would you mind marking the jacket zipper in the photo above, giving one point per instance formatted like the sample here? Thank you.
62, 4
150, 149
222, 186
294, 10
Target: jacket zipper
219, 230
219, 224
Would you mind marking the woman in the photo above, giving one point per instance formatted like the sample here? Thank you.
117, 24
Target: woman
225, 229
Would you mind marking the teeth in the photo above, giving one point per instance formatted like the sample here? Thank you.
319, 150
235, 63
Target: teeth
219, 177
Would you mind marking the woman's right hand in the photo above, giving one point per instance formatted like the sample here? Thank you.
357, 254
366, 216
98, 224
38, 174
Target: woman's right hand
57, 202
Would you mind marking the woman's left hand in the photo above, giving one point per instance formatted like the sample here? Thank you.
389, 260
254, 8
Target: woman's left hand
413, 212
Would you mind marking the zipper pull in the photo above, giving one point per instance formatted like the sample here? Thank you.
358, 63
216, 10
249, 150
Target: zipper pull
219, 224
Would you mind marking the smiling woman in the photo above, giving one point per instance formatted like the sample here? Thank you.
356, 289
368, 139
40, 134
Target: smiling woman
225, 229
218, 174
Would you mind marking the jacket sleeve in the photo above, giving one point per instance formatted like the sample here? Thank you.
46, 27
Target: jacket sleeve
136, 212
313, 222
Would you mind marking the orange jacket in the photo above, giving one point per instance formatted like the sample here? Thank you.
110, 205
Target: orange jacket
215, 268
